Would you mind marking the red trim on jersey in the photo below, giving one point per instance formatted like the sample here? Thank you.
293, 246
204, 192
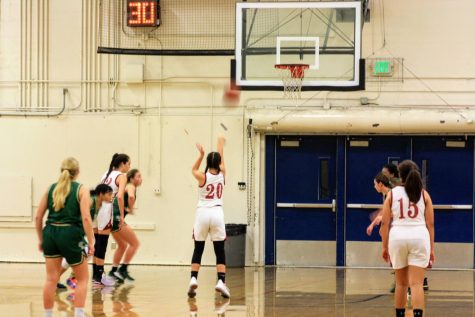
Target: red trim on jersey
115, 181
201, 186
108, 226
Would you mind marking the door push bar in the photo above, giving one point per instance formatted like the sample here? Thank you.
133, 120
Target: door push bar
331, 206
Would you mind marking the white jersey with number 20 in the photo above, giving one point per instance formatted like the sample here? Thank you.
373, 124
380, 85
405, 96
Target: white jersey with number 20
211, 193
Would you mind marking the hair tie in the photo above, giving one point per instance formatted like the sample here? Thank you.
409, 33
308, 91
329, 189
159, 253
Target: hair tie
68, 170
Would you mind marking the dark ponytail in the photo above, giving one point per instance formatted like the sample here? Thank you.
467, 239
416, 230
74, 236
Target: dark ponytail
117, 159
111, 164
392, 169
101, 189
412, 180
213, 160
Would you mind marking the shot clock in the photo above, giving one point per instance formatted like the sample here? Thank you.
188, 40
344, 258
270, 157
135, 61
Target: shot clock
143, 13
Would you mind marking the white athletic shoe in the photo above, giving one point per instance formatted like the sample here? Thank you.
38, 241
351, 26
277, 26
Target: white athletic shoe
108, 281
192, 287
223, 289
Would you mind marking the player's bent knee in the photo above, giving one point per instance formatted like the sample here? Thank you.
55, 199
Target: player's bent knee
122, 245
134, 244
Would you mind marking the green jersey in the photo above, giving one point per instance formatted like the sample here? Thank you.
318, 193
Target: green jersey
126, 200
70, 214
126, 204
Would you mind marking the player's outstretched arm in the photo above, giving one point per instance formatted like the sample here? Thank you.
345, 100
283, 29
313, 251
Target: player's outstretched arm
221, 141
195, 170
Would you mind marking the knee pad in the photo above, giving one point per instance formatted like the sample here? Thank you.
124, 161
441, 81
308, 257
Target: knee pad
198, 252
101, 246
219, 251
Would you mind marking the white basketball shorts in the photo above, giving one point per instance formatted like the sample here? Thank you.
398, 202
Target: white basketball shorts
209, 220
409, 245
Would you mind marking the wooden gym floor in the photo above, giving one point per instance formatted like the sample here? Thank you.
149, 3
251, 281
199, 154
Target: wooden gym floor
286, 292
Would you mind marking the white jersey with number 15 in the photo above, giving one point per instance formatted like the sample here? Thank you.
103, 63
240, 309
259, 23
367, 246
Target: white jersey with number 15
211, 193
404, 212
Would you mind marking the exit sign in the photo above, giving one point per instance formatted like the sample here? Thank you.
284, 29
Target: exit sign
143, 13
382, 68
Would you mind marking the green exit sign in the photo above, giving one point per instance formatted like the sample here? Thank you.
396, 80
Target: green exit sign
382, 68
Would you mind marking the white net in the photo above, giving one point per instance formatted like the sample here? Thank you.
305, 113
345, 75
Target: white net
292, 76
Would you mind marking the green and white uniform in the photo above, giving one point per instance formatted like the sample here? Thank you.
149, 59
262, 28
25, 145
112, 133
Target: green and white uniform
63, 235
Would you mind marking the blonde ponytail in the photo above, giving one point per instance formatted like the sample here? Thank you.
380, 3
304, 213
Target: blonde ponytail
69, 169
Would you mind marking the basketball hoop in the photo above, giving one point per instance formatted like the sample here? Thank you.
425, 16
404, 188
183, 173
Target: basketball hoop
292, 76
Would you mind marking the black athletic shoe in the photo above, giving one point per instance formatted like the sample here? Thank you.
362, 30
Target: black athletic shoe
126, 276
117, 276
426, 284
61, 287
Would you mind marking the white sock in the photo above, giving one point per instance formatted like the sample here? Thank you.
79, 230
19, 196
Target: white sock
79, 312
48, 312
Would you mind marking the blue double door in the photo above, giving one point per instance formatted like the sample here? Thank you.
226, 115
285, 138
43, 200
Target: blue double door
320, 196
301, 200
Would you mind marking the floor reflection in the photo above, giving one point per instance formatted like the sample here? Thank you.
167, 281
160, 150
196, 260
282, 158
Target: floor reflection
118, 297
256, 292
220, 306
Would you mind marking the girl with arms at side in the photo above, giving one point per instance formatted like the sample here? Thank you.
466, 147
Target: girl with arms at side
409, 242
68, 220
